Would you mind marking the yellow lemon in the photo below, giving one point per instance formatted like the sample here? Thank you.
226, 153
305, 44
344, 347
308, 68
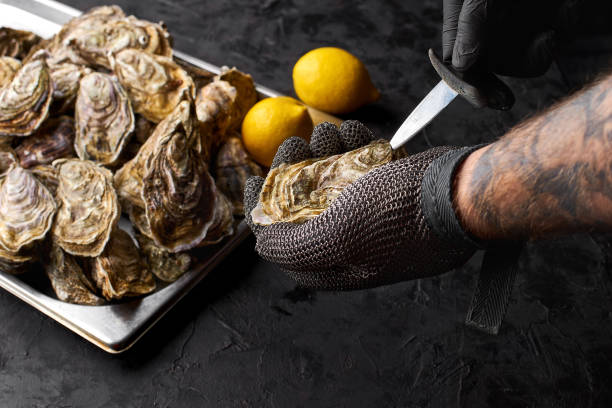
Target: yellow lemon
269, 122
333, 80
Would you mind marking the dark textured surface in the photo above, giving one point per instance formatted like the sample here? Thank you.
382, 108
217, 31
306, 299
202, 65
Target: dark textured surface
247, 337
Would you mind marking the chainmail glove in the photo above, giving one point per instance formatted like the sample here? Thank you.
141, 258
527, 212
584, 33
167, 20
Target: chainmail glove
395, 223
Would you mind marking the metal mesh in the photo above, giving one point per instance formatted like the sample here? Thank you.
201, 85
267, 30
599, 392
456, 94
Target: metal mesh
373, 234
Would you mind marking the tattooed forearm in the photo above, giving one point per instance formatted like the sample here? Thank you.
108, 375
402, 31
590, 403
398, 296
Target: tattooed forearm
549, 175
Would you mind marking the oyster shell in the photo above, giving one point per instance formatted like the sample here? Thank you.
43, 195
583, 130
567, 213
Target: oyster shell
53, 140
7, 159
155, 84
222, 222
14, 263
128, 179
47, 175
69, 281
8, 68
24, 102
26, 210
178, 192
222, 104
165, 265
299, 192
233, 167
104, 119
16, 43
104, 30
88, 207
119, 271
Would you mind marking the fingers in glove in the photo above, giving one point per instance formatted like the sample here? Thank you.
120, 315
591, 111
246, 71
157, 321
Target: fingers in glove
470, 34
325, 140
354, 134
252, 189
452, 8
535, 61
293, 150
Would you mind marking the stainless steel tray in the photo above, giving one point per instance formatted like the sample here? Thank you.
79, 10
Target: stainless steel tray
114, 327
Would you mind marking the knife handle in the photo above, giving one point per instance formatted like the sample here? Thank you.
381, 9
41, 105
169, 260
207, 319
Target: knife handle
480, 88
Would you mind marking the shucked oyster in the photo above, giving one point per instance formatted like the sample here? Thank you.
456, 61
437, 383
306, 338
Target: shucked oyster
70, 283
16, 43
53, 140
298, 192
104, 30
8, 68
24, 102
88, 207
178, 192
119, 270
26, 210
165, 265
104, 119
155, 84
233, 167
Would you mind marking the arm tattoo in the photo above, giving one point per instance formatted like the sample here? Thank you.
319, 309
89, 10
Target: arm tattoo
551, 174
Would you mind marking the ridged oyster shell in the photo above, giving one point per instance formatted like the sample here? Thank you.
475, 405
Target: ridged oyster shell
8, 68
119, 271
233, 167
68, 280
16, 43
7, 159
88, 207
26, 210
155, 84
299, 192
104, 119
25, 101
53, 140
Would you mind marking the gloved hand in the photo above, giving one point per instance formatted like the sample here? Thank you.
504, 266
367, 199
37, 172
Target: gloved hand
507, 37
395, 223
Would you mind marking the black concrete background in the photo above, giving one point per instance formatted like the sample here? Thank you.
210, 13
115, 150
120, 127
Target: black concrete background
247, 337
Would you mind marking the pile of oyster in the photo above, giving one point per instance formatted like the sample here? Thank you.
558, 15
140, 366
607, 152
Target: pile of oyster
100, 121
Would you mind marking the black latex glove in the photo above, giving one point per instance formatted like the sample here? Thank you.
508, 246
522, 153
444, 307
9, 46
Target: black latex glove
394, 223
507, 37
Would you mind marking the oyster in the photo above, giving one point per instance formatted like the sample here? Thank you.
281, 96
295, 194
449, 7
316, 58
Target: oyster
88, 207
8, 68
178, 192
222, 222
104, 119
299, 192
165, 265
53, 140
47, 175
26, 210
233, 167
119, 271
104, 30
155, 84
70, 283
222, 104
128, 179
14, 263
24, 102
7, 159
16, 43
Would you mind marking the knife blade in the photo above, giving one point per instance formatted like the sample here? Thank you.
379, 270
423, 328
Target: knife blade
436, 100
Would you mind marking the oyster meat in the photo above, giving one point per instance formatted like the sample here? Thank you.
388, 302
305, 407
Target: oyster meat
24, 102
88, 209
68, 280
53, 140
119, 271
165, 265
16, 43
104, 119
233, 167
155, 83
105, 30
26, 210
299, 192
178, 192
8, 68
